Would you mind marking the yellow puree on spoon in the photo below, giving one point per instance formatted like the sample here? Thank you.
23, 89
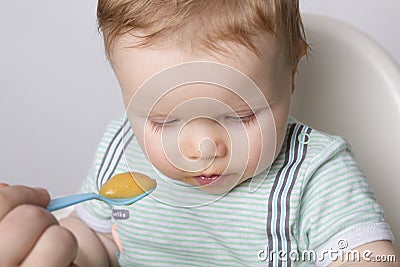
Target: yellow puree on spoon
127, 185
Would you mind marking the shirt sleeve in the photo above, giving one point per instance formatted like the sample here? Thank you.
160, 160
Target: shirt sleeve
97, 214
338, 211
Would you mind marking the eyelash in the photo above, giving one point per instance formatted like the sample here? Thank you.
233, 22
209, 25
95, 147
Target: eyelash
157, 126
246, 120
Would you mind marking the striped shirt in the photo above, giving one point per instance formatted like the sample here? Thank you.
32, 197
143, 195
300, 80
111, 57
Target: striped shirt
313, 199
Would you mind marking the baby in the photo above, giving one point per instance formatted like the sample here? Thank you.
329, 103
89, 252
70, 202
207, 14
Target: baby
207, 87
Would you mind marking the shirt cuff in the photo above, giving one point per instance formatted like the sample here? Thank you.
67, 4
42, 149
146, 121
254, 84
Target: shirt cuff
98, 225
350, 240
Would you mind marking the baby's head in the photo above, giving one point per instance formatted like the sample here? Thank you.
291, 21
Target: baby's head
168, 56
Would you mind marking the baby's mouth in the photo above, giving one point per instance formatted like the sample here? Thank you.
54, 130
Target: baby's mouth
203, 180
208, 177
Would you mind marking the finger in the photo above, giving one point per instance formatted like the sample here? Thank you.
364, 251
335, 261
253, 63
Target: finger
57, 247
20, 229
3, 185
13, 196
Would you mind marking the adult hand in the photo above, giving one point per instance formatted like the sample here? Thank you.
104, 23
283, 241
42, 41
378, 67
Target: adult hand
29, 234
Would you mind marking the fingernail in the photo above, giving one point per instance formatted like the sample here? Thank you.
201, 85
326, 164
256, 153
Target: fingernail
3, 185
42, 190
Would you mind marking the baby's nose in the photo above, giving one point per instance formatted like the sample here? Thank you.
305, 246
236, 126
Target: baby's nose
203, 138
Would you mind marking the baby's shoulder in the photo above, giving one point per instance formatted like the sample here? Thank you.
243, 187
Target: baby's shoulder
320, 145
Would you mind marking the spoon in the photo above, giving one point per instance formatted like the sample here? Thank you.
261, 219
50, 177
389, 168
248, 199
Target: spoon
63, 202
121, 189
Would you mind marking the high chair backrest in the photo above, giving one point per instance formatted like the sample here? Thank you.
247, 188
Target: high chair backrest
350, 86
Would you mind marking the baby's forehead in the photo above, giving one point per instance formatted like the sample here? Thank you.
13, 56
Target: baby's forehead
146, 74
201, 90
227, 52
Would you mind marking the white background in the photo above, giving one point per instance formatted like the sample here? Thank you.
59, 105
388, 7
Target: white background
57, 91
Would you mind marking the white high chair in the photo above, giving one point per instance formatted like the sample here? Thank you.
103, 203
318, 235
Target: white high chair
350, 86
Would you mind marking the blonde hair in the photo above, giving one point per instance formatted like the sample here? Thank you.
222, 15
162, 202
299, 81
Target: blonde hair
208, 22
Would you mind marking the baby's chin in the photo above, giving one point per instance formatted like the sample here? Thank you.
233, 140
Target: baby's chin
218, 187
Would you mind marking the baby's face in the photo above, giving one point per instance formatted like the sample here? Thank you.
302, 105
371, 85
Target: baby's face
200, 133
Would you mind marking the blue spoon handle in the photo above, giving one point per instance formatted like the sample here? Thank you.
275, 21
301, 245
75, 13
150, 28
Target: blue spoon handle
63, 202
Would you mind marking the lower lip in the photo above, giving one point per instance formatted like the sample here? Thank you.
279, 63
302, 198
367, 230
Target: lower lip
207, 180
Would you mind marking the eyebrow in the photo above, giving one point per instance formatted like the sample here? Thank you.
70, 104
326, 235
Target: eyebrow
159, 114
240, 109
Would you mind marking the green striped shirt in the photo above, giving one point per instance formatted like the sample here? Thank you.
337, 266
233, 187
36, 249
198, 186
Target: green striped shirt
313, 198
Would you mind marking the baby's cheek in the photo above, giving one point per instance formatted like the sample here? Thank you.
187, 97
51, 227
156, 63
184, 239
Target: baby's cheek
152, 147
261, 151
156, 156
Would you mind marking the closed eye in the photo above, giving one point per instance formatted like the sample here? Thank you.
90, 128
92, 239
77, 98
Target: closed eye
246, 120
156, 126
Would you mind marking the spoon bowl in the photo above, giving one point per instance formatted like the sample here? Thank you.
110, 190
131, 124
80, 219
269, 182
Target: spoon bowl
63, 202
